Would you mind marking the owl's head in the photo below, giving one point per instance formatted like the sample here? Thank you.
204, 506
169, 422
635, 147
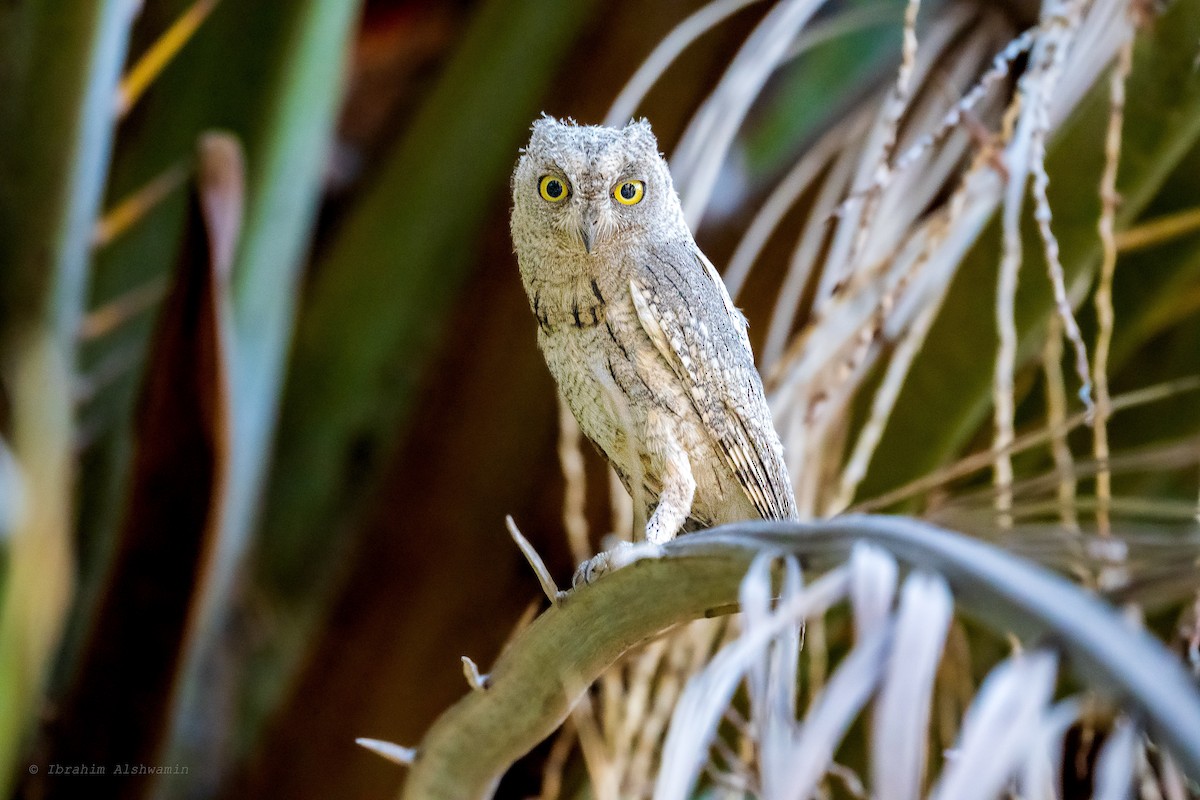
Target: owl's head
591, 187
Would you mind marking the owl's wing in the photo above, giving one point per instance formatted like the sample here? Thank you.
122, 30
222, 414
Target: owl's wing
684, 308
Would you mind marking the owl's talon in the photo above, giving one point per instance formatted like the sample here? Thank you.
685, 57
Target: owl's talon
589, 570
624, 554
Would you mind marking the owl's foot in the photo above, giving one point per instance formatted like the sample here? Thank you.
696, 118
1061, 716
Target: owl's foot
622, 555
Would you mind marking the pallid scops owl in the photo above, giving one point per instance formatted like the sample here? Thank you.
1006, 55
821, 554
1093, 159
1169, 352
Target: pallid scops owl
639, 332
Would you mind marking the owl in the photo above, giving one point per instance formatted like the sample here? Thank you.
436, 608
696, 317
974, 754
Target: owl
636, 326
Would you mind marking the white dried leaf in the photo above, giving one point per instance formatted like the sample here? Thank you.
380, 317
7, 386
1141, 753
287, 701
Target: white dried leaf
831, 715
901, 721
1000, 727
707, 695
872, 587
1115, 766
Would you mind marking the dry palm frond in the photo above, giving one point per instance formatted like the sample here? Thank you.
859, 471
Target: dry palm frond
1011, 735
902, 272
702, 148
897, 637
897, 192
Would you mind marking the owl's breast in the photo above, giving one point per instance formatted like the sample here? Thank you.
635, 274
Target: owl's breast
604, 364
611, 376
577, 305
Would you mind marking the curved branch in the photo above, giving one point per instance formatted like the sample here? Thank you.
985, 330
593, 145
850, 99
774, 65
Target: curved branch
548, 666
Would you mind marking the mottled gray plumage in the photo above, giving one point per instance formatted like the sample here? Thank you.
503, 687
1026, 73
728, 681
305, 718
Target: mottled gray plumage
638, 330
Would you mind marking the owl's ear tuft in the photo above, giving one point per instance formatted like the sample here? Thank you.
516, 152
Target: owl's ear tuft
544, 132
638, 132
544, 122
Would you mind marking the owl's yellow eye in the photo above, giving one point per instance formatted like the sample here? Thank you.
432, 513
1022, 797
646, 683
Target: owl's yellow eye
629, 193
552, 189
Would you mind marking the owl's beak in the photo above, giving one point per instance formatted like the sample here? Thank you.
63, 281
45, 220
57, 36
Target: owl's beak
588, 228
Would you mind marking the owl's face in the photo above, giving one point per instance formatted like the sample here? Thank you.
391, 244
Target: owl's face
591, 187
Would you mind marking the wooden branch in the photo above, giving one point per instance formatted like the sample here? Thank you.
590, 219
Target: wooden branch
543, 672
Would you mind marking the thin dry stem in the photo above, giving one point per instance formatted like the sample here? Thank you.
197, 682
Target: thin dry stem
738, 775
556, 761
633, 702
1174, 455
1026, 156
1006, 326
747, 744
980, 460
732, 784
1043, 215
475, 679
956, 684
804, 260
155, 60
897, 369
1003, 387
911, 338
784, 196
121, 309
545, 579
129, 211
1174, 782
701, 150
1001, 68
636, 700
1059, 37
1109, 200
688, 652
881, 409
1131, 507
953, 119
605, 782
649, 740
1056, 418
847, 335
392, 752
610, 690
1159, 230
893, 111
949, 49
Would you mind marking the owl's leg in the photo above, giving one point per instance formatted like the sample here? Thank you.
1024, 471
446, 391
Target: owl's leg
674, 504
679, 485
